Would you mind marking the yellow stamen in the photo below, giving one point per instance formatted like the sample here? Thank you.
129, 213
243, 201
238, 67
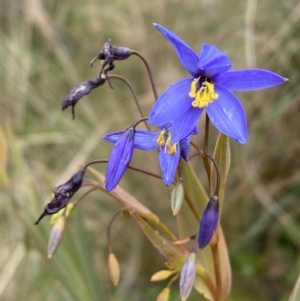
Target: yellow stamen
164, 139
204, 96
161, 138
193, 91
171, 148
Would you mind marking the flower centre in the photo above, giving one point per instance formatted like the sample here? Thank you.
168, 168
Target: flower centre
164, 140
203, 95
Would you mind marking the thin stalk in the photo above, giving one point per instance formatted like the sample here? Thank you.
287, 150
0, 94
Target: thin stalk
217, 268
129, 167
205, 146
83, 196
128, 83
200, 152
109, 228
191, 205
134, 52
206, 163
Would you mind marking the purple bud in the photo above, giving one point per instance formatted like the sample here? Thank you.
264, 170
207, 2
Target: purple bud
209, 222
119, 159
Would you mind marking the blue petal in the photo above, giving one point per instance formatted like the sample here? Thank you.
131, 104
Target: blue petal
227, 114
172, 103
212, 61
168, 164
144, 140
185, 124
113, 136
250, 79
119, 159
187, 56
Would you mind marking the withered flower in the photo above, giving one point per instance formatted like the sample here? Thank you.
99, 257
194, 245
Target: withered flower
62, 194
80, 90
108, 55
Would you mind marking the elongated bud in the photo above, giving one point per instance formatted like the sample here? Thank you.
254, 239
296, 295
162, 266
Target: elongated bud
69, 209
187, 276
164, 295
177, 196
209, 222
113, 269
56, 235
162, 275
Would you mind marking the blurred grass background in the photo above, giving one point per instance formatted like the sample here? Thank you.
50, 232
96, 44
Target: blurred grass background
45, 49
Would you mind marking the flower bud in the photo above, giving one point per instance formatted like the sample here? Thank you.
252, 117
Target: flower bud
187, 276
162, 275
164, 295
56, 235
177, 196
209, 222
113, 269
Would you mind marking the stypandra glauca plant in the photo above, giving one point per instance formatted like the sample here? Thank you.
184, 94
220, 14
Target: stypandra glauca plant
197, 259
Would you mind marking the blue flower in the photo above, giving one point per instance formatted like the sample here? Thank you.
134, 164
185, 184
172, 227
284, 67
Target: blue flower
169, 154
210, 87
119, 159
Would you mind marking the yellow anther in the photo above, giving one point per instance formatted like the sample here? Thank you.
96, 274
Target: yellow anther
172, 149
161, 138
164, 139
205, 95
193, 91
